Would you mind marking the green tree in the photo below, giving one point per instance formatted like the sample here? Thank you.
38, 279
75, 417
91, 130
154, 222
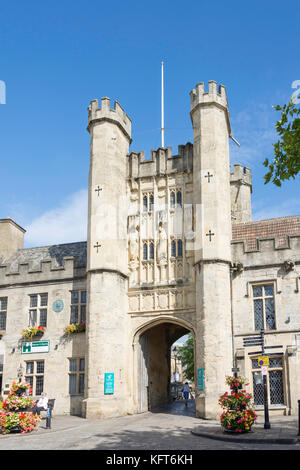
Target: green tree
286, 161
186, 355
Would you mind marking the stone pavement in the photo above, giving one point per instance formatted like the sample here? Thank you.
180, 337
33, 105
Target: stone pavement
283, 430
169, 428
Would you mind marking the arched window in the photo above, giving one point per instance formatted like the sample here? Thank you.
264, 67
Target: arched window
172, 200
173, 249
145, 251
145, 203
151, 202
179, 248
179, 199
151, 250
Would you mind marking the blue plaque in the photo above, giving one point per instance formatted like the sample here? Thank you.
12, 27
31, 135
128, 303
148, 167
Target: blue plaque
200, 378
58, 306
109, 383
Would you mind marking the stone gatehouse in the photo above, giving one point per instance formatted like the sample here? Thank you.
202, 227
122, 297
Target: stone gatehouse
171, 248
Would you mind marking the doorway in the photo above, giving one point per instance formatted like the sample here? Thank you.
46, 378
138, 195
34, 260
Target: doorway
154, 364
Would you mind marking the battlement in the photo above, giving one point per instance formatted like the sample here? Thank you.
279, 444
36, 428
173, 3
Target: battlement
47, 271
269, 234
106, 113
162, 162
51, 263
241, 174
214, 94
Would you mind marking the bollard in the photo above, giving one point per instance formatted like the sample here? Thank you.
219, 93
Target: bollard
298, 417
48, 418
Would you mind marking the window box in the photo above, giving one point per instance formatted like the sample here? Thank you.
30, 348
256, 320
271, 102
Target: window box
33, 331
74, 328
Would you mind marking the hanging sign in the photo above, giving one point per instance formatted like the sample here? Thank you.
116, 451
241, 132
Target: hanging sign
109, 383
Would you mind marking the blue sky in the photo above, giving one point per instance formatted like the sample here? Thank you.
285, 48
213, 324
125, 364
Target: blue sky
57, 56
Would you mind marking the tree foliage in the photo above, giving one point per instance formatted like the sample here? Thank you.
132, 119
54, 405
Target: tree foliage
186, 355
286, 161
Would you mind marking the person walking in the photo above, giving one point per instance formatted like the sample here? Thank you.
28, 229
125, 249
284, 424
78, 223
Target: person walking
186, 393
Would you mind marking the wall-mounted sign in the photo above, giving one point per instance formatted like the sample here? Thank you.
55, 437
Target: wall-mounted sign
200, 378
58, 306
263, 361
264, 370
109, 383
31, 347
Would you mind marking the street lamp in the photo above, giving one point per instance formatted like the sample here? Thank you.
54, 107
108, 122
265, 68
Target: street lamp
175, 356
20, 372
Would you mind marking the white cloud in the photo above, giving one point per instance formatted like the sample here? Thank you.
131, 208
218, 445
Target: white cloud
264, 210
66, 224
254, 129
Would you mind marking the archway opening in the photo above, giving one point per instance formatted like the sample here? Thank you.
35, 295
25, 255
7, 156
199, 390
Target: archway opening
156, 365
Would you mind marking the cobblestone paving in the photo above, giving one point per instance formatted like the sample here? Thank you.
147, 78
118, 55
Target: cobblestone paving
165, 429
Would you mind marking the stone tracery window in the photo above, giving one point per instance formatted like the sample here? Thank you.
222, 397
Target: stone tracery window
179, 198
148, 202
172, 199
145, 203
145, 251
148, 251
179, 248
176, 248
151, 202
151, 251
175, 198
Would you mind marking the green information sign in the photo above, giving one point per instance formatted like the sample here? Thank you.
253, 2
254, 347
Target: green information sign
31, 347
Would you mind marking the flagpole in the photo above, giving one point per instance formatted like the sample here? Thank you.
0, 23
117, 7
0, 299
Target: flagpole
162, 107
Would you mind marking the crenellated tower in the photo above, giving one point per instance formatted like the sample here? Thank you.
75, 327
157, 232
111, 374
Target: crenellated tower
107, 266
211, 182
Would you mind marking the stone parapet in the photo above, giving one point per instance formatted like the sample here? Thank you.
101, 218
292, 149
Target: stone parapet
215, 93
105, 113
48, 271
279, 233
241, 174
42, 264
162, 162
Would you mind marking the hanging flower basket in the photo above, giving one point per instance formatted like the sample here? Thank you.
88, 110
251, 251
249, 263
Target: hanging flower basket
74, 328
238, 415
18, 388
33, 331
17, 403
